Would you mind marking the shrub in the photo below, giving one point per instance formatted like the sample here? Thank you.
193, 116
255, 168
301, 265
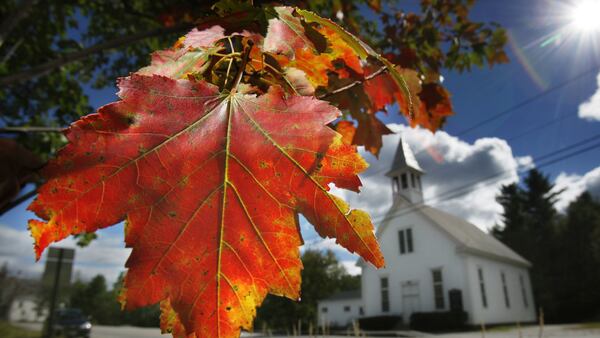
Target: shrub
438, 321
380, 323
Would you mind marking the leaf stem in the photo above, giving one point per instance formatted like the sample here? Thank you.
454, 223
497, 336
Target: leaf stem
242, 69
353, 84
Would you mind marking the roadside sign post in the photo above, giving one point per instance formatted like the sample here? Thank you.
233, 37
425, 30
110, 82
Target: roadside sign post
58, 257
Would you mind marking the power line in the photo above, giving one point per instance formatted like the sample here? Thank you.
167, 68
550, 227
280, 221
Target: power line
541, 126
528, 101
525, 133
450, 197
467, 188
515, 107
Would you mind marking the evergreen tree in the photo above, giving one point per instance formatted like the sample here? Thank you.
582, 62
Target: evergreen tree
578, 267
530, 228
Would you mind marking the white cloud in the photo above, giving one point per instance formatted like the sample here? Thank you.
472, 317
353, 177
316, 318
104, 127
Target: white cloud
590, 109
574, 185
16, 250
474, 172
319, 244
351, 267
106, 255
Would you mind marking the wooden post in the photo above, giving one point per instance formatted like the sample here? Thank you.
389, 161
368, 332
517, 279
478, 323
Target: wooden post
482, 329
356, 328
541, 322
519, 328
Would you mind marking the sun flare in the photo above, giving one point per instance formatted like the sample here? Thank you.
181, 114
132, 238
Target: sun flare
585, 16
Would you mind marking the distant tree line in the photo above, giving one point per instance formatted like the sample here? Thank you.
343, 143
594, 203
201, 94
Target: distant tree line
321, 277
96, 300
563, 248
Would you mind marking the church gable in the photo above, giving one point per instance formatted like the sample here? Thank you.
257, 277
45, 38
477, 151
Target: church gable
438, 262
407, 232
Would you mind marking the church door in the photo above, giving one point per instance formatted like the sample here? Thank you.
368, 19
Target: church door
411, 301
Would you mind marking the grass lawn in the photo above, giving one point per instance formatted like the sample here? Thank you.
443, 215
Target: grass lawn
9, 331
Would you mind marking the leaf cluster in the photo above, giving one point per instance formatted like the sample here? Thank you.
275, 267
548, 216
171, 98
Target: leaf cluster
209, 156
440, 37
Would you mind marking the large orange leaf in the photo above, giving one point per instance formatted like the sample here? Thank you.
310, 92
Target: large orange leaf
209, 183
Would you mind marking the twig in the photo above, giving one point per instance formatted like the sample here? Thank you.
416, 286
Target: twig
40, 70
18, 201
12, 51
353, 84
12, 130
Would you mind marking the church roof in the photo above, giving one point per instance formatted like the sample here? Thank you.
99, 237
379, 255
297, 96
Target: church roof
345, 295
404, 158
470, 238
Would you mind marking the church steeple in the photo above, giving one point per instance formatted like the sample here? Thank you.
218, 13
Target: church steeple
406, 175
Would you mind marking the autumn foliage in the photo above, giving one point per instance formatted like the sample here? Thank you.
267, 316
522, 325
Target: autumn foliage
213, 151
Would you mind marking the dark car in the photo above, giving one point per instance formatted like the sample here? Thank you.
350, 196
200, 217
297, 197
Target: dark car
71, 323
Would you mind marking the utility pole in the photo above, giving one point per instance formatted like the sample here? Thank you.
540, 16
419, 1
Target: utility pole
57, 276
54, 295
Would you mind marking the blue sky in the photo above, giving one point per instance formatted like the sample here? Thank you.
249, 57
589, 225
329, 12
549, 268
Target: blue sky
543, 54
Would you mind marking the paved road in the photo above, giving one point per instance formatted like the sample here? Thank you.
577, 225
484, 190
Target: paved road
103, 331
550, 331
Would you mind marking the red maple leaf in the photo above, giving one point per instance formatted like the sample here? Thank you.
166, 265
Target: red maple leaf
209, 184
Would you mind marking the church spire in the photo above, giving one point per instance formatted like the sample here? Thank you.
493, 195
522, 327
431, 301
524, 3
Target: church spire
406, 175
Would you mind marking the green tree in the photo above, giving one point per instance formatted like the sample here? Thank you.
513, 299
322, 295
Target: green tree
91, 298
97, 301
322, 276
530, 228
578, 265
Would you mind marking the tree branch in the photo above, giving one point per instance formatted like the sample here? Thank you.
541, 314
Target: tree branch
353, 84
14, 130
12, 19
49, 66
17, 201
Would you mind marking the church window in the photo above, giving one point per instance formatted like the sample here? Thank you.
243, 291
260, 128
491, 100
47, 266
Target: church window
523, 292
419, 183
505, 290
482, 287
412, 180
347, 308
324, 309
405, 240
404, 181
438, 288
385, 295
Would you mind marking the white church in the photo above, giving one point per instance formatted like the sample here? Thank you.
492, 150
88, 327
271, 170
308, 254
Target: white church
434, 262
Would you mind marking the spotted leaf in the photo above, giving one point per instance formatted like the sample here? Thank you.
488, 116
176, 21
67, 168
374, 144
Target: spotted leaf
209, 184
